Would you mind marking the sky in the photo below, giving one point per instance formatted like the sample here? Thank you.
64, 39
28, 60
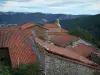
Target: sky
52, 6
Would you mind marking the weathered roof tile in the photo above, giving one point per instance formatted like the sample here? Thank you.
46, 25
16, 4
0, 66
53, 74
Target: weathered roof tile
64, 40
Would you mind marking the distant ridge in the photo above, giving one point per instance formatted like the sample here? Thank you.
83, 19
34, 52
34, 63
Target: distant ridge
21, 17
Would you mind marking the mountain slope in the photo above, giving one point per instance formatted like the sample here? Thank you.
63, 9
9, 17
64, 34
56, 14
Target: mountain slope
20, 18
90, 23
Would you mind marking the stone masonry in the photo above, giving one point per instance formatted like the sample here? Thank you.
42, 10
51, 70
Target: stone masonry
58, 66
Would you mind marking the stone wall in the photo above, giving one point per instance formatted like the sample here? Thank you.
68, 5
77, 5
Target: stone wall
40, 54
51, 36
59, 66
40, 32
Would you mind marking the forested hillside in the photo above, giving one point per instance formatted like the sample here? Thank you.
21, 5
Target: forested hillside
90, 23
38, 17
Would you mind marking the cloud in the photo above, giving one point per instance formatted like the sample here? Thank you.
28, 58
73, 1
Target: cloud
52, 6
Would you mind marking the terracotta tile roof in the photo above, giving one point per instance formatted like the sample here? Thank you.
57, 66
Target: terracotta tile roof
48, 26
12, 27
64, 52
63, 30
56, 33
84, 50
51, 26
64, 40
29, 25
19, 44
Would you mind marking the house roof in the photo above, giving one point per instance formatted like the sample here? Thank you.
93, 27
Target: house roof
14, 27
63, 30
56, 33
64, 52
51, 26
48, 26
19, 44
29, 25
84, 49
64, 40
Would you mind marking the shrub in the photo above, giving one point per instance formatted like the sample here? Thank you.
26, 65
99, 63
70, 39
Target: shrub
82, 33
28, 69
5, 71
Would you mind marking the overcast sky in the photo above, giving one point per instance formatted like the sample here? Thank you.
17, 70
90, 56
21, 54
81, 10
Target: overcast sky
52, 6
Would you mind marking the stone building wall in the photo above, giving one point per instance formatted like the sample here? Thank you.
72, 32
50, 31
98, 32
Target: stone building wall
58, 66
51, 36
40, 53
40, 32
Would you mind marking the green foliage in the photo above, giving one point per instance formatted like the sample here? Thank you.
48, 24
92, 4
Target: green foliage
5, 71
85, 35
81, 33
97, 42
90, 23
24, 69
28, 69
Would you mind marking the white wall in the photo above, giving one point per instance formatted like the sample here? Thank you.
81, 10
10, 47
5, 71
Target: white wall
81, 41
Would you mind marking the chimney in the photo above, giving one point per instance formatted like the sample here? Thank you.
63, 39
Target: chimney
58, 23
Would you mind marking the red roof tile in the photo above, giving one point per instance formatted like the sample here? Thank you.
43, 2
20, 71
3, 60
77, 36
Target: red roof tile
63, 51
19, 44
12, 27
29, 25
64, 40
63, 30
56, 33
84, 50
51, 26
54, 26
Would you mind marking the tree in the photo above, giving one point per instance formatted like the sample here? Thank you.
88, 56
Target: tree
82, 34
5, 71
27, 69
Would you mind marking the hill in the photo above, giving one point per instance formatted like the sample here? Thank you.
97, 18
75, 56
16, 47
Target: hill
20, 18
90, 23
